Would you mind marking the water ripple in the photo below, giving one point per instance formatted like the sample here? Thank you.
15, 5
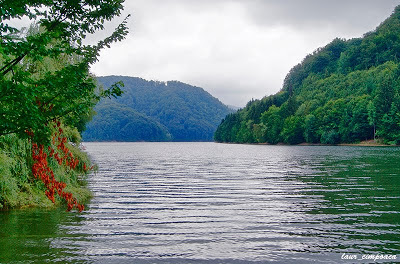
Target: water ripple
223, 203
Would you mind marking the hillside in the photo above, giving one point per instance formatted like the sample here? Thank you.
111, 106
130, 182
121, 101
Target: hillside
155, 111
345, 92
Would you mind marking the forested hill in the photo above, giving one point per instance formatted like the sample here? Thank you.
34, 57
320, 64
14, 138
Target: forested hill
155, 111
345, 92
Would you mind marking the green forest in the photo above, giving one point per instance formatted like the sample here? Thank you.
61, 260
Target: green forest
46, 96
345, 92
155, 111
117, 122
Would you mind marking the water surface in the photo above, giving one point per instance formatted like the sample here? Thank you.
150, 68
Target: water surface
219, 203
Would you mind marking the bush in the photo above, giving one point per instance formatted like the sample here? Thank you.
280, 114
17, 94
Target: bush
18, 187
8, 184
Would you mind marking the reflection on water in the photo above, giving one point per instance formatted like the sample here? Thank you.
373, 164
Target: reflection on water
29, 236
206, 202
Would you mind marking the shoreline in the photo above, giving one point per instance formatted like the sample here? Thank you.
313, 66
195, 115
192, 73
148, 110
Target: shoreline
366, 143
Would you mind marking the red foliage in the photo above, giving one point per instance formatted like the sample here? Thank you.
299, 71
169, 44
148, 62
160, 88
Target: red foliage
43, 172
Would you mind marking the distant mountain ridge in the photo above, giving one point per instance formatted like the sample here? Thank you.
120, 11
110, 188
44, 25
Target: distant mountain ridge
155, 111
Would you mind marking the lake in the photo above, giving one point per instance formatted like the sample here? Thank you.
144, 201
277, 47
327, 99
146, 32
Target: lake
220, 203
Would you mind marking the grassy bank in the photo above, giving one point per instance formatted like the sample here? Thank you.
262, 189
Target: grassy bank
19, 188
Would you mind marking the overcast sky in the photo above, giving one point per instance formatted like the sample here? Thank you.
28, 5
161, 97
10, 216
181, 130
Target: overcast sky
234, 49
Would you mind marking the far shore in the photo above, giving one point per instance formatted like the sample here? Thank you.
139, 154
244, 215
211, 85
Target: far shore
365, 143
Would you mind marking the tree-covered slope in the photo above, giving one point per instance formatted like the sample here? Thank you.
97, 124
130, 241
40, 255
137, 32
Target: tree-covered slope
155, 111
345, 92
131, 126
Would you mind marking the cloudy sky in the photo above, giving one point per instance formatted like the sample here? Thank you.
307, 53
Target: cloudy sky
234, 49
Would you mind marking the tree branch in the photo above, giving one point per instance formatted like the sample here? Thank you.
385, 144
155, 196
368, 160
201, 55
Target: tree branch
11, 64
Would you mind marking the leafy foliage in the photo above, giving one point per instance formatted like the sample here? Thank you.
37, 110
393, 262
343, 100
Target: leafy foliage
347, 91
34, 88
156, 111
18, 186
45, 79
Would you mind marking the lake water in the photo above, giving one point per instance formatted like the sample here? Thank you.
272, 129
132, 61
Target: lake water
219, 203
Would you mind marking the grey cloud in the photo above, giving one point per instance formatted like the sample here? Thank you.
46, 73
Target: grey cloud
353, 14
234, 49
